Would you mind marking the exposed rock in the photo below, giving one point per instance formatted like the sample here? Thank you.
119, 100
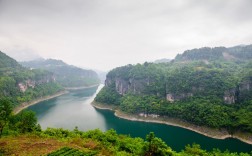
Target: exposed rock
173, 97
23, 86
137, 86
170, 97
108, 82
121, 86
230, 96
124, 86
238, 93
148, 115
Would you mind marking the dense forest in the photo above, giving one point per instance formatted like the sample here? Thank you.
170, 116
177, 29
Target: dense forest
21, 135
66, 75
207, 87
20, 84
45, 77
146, 88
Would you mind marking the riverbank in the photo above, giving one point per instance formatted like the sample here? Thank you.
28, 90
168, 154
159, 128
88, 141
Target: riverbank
206, 131
24, 105
83, 87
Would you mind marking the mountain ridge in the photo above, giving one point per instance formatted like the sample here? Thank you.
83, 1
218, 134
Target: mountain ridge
66, 75
235, 53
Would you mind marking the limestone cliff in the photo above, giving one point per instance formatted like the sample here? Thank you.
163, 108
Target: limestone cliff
216, 74
138, 86
176, 97
242, 92
123, 86
31, 83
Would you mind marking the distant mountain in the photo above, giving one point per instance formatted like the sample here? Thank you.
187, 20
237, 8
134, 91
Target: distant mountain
21, 84
237, 53
6, 61
163, 60
102, 75
66, 75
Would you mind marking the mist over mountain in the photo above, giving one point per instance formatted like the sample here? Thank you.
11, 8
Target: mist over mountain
163, 60
21, 55
171, 62
66, 75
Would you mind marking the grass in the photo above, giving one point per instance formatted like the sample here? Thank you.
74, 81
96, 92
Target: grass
33, 145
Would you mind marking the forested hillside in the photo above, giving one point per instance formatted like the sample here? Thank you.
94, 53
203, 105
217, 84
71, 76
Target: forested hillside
66, 75
21, 135
20, 84
237, 53
7, 62
207, 87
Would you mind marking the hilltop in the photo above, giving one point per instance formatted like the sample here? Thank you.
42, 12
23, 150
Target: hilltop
237, 53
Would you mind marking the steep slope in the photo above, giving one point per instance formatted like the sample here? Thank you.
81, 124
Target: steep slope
66, 75
6, 61
200, 86
21, 84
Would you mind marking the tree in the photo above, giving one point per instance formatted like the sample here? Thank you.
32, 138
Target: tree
156, 147
26, 121
195, 150
5, 113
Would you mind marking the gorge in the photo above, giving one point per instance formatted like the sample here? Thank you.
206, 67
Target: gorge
58, 113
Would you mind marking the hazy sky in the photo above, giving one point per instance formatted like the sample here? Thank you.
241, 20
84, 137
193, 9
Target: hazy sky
103, 34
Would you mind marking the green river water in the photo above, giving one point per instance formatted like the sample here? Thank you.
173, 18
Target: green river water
74, 109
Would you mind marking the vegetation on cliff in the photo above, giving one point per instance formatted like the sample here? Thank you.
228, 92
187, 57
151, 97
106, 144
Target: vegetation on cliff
20, 84
207, 86
66, 75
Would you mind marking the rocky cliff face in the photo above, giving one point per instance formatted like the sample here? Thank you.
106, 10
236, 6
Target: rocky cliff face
138, 86
23, 86
67, 75
231, 96
176, 97
240, 93
124, 86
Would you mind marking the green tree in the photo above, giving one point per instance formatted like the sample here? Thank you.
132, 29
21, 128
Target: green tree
195, 150
156, 147
5, 113
26, 121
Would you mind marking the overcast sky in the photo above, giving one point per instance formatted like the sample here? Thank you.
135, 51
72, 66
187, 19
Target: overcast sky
103, 34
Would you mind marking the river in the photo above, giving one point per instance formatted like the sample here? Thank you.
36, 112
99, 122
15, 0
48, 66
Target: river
74, 109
